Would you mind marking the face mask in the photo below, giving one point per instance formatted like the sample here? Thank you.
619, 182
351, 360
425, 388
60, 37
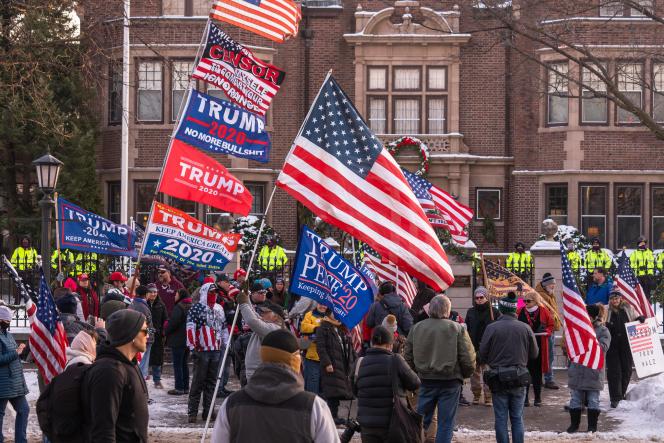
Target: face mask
595, 247
211, 298
642, 246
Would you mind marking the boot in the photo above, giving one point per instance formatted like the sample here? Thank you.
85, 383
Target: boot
487, 399
593, 416
575, 419
476, 398
538, 396
526, 402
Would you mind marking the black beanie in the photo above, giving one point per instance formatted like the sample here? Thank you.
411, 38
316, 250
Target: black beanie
123, 326
141, 291
593, 311
386, 288
381, 336
67, 304
281, 339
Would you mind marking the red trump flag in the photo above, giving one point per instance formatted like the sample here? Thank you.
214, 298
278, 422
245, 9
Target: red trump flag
191, 175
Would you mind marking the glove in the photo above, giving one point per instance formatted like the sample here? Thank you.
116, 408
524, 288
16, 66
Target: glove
641, 319
242, 298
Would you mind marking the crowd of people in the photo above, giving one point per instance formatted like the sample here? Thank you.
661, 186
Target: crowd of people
296, 362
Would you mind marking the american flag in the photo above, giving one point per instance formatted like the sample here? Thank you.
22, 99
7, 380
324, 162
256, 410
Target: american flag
356, 337
455, 215
388, 272
631, 289
276, 20
582, 345
341, 172
206, 326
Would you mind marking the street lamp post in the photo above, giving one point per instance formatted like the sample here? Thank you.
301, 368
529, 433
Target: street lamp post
48, 169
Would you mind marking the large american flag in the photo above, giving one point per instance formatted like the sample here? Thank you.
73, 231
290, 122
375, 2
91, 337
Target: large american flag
341, 172
273, 19
631, 289
388, 272
582, 345
456, 215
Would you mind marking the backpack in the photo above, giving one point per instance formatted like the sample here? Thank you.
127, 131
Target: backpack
60, 408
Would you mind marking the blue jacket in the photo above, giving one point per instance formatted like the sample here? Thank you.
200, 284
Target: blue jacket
12, 382
599, 293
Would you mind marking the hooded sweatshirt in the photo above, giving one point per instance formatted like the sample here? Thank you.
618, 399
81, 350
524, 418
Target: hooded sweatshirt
83, 350
206, 326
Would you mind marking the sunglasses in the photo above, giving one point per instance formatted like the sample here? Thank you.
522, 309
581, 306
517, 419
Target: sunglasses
163, 272
479, 297
145, 331
528, 300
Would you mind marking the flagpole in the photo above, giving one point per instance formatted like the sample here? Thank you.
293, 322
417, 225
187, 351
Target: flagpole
237, 312
354, 257
124, 143
486, 283
57, 238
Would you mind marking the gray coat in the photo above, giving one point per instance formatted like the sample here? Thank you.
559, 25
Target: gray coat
583, 378
508, 342
259, 330
12, 382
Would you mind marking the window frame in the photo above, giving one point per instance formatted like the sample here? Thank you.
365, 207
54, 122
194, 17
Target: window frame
110, 192
174, 115
447, 79
394, 90
137, 89
428, 98
547, 208
606, 187
386, 99
642, 91
630, 11
549, 71
136, 184
396, 97
248, 184
616, 216
384, 68
611, 15
653, 90
500, 202
581, 100
653, 188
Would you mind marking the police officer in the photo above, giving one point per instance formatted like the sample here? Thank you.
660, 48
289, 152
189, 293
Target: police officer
642, 262
520, 262
25, 256
573, 256
596, 258
86, 263
272, 256
66, 259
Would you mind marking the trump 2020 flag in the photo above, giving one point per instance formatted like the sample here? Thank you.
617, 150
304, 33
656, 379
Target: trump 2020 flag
339, 170
86, 231
174, 234
191, 175
322, 274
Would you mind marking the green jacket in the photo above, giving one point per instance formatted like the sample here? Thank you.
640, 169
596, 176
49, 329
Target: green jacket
642, 262
440, 349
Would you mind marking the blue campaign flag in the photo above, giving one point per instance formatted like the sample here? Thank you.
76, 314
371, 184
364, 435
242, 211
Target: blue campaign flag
217, 125
322, 274
86, 231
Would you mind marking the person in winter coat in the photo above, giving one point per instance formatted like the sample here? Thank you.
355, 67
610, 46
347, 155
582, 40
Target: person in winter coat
88, 296
176, 339
586, 383
159, 317
619, 356
388, 302
67, 309
422, 298
13, 388
140, 304
599, 289
274, 407
114, 394
280, 295
535, 315
83, 349
207, 337
337, 358
308, 328
546, 290
390, 323
113, 301
477, 319
373, 385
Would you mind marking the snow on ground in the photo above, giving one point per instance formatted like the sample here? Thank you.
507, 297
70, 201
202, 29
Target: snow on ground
642, 414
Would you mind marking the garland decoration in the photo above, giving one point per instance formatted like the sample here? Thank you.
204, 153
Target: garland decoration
406, 142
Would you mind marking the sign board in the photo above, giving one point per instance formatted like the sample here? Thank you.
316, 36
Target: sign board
646, 347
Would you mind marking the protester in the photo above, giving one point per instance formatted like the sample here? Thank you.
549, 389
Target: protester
422, 298
240, 276
159, 318
176, 339
88, 296
113, 301
140, 304
441, 353
72, 325
598, 291
131, 284
114, 393
619, 360
168, 286
390, 323
388, 302
538, 317
117, 280
300, 308
479, 316
337, 357
373, 385
207, 337
311, 364
506, 344
83, 349
546, 290
274, 407
13, 388
586, 383
258, 294
280, 295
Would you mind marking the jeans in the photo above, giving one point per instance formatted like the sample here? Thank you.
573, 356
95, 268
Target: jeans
206, 368
156, 373
20, 405
548, 377
144, 365
578, 397
227, 367
447, 400
180, 368
311, 376
509, 404
374, 435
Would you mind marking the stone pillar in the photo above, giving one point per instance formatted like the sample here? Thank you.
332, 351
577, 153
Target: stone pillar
460, 292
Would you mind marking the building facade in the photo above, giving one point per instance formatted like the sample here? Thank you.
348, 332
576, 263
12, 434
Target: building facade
513, 139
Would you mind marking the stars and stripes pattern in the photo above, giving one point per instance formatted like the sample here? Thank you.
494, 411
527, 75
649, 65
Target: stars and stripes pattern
26, 292
388, 272
206, 327
356, 337
340, 171
582, 345
453, 216
276, 20
631, 289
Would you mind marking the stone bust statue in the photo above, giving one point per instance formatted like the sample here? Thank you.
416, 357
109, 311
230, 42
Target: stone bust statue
549, 229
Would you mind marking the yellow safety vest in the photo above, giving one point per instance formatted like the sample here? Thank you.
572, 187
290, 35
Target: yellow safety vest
660, 262
598, 259
642, 262
87, 266
574, 260
271, 259
519, 262
23, 259
67, 261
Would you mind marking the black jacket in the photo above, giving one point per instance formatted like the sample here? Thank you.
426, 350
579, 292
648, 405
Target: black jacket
115, 399
374, 387
334, 348
390, 304
176, 330
159, 317
477, 319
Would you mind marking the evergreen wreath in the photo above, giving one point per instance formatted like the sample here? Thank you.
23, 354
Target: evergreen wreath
406, 142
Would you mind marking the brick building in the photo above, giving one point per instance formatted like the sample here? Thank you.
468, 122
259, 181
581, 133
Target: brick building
514, 140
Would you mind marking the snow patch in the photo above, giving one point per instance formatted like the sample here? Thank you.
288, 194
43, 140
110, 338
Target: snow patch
545, 245
643, 409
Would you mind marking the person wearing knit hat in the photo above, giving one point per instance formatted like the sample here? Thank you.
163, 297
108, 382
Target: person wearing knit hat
67, 305
114, 375
14, 389
274, 398
83, 349
507, 342
390, 323
546, 290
